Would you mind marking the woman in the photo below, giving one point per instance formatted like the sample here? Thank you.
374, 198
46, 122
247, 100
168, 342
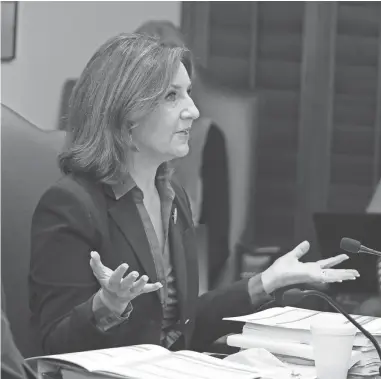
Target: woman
117, 206
204, 172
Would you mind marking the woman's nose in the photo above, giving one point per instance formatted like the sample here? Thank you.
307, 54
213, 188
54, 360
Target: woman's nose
191, 112
195, 112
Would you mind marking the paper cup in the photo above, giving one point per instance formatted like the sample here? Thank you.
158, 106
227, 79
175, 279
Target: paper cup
332, 346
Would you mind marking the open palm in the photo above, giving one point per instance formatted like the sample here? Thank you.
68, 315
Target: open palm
288, 270
117, 287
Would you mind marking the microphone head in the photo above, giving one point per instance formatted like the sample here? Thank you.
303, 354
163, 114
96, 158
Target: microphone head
350, 245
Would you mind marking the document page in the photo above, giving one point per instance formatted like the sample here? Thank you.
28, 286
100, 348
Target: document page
189, 365
107, 359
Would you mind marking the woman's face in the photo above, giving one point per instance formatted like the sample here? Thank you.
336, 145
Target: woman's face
164, 134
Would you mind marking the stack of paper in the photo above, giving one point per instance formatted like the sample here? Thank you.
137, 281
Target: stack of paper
140, 362
369, 363
285, 332
289, 351
270, 366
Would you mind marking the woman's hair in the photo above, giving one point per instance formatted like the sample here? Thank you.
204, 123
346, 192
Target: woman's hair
121, 84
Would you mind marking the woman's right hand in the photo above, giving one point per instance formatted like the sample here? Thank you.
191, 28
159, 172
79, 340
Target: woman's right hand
116, 292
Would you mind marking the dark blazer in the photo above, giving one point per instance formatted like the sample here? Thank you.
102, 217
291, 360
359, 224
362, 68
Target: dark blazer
76, 216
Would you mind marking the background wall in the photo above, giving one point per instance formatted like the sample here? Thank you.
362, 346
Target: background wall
54, 42
235, 113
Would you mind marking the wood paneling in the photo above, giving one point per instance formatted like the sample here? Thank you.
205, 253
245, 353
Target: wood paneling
356, 50
278, 134
377, 135
280, 193
233, 71
279, 16
315, 125
277, 74
353, 139
316, 69
358, 20
279, 104
348, 196
280, 46
230, 42
276, 165
361, 80
355, 150
279, 220
349, 169
354, 109
230, 13
278, 65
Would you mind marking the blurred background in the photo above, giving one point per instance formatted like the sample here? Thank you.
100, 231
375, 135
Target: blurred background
294, 88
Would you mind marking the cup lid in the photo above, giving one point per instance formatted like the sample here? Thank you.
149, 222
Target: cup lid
333, 328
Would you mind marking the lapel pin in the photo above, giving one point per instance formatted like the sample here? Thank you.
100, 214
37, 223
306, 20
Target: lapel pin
174, 215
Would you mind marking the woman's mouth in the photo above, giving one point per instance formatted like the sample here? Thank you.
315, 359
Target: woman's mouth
184, 132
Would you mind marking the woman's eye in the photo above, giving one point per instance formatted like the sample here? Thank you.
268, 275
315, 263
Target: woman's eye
189, 91
171, 96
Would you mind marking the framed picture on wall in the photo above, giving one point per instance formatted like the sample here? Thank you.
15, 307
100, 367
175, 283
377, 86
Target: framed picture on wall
8, 30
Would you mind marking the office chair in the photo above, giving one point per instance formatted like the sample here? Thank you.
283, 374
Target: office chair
29, 167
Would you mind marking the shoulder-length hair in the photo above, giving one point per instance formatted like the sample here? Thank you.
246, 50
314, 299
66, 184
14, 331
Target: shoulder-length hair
122, 83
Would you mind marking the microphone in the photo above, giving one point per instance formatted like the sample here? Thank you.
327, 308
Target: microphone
295, 295
353, 246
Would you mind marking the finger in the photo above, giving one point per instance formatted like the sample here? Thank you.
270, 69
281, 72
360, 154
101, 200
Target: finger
331, 262
349, 272
300, 250
117, 276
139, 284
95, 256
329, 276
97, 266
152, 287
129, 280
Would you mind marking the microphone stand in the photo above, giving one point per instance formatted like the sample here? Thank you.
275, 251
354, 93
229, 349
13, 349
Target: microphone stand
346, 315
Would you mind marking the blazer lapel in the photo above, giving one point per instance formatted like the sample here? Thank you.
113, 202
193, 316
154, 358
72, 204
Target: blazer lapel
179, 260
126, 215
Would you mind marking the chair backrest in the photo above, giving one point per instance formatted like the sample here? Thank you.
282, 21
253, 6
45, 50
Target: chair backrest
29, 167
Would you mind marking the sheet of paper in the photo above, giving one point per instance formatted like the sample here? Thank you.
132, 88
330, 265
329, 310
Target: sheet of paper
270, 366
281, 347
190, 365
104, 359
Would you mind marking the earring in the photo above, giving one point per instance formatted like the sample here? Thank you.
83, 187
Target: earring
132, 144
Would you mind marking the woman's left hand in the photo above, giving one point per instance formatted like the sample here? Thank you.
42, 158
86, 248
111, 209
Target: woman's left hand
287, 270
